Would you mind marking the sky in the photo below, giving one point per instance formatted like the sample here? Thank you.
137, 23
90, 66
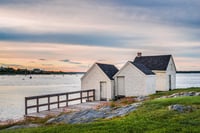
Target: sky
70, 35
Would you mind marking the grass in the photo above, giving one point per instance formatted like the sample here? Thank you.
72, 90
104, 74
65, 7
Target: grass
152, 117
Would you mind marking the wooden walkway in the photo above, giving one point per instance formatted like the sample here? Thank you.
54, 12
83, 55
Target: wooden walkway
70, 108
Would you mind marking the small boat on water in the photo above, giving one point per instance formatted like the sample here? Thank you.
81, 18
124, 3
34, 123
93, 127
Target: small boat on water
30, 75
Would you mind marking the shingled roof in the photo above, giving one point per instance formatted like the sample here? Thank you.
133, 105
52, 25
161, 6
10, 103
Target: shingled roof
108, 69
154, 62
142, 68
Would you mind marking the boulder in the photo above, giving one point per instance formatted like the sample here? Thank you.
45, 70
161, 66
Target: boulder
189, 94
180, 108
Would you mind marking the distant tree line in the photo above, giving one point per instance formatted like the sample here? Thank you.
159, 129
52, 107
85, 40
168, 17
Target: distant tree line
9, 71
188, 72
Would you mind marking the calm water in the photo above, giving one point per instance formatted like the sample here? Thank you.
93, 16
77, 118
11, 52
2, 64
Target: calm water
187, 80
13, 89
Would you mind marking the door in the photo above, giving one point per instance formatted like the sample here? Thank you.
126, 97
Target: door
170, 82
120, 86
103, 91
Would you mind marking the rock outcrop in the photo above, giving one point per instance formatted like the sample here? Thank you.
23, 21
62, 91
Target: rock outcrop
180, 108
182, 94
92, 115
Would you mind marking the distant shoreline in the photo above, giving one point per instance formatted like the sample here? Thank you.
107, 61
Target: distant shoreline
67, 73
13, 71
188, 72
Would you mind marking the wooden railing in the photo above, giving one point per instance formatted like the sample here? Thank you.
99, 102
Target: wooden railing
84, 94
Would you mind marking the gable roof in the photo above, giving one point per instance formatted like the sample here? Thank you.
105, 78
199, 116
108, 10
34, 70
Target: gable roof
159, 62
108, 69
142, 68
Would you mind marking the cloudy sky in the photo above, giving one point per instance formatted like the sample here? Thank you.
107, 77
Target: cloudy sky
70, 35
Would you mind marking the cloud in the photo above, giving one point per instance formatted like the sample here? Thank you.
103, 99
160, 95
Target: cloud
42, 59
101, 60
69, 61
79, 12
74, 62
111, 24
11, 65
80, 39
47, 64
195, 54
32, 62
65, 60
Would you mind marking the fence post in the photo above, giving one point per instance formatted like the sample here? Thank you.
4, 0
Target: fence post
58, 101
81, 96
93, 95
88, 95
48, 102
67, 99
37, 104
26, 110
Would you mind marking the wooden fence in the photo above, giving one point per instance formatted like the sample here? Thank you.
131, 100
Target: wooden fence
83, 94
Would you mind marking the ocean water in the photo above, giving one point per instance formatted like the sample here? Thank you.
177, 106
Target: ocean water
13, 89
187, 80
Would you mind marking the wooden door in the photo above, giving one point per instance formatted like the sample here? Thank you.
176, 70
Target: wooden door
120, 86
103, 91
